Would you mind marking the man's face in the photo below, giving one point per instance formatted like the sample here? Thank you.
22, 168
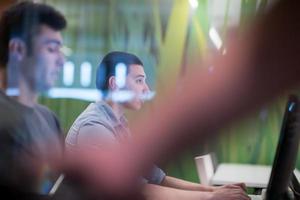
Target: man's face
42, 66
136, 82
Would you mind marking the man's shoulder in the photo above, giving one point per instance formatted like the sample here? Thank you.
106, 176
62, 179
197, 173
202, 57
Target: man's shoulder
6, 102
95, 113
49, 116
43, 109
9, 115
12, 122
11, 112
93, 119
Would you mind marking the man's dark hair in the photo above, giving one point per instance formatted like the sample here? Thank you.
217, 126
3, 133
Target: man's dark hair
106, 69
23, 20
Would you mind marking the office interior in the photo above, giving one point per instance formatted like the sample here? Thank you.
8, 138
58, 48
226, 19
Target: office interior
172, 38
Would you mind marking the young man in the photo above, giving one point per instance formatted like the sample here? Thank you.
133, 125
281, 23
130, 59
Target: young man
103, 124
30, 136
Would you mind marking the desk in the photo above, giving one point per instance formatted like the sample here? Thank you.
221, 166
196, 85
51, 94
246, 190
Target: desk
255, 176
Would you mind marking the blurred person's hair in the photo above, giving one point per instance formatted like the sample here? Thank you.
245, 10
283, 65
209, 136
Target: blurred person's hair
106, 68
23, 20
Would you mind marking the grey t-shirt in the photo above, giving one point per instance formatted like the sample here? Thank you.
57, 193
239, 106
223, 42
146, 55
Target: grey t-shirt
30, 140
98, 126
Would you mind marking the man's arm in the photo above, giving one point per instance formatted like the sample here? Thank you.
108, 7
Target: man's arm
187, 185
184, 185
155, 192
99, 137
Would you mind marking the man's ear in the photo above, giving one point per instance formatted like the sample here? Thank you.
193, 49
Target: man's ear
112, 85
16, 49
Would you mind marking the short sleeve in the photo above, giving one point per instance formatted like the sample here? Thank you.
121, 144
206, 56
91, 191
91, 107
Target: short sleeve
96, 135
156, 175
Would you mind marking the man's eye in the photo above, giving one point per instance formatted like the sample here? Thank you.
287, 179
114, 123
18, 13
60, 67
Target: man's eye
139, 81
53, 49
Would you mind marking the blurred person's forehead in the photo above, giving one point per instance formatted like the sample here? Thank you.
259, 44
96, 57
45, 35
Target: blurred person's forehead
136, 69
49, 35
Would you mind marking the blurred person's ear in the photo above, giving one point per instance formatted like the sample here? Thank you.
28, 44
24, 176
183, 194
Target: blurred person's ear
112, 85
17, 49
16, 54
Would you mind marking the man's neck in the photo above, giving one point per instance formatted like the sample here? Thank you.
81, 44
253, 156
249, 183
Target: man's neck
117, 109
27, 96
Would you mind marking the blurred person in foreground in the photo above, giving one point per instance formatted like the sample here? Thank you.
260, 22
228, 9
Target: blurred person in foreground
103, 124
259, 65
31, 142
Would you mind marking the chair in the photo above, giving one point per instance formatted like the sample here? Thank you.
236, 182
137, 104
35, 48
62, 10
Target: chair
206, 166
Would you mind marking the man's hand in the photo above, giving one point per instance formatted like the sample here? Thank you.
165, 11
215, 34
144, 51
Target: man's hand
232, 186
230, 192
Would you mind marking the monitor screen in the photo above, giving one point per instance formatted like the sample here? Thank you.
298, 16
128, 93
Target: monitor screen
286, 152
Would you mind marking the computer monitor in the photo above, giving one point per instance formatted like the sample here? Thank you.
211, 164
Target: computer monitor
286, 152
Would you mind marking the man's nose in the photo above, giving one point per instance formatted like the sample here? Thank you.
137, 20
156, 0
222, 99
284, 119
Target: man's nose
146, 88
61, 59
